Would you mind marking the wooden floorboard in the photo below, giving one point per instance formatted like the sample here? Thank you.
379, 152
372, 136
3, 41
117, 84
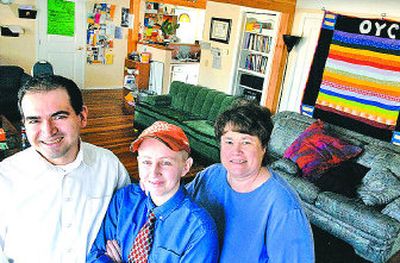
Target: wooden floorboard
109, 126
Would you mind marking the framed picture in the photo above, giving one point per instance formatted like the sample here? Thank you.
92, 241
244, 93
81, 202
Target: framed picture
220, 29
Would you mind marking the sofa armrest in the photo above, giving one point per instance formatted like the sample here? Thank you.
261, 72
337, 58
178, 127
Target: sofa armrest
285, 165
157, 100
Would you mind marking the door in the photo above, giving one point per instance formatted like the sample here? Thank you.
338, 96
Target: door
65, 53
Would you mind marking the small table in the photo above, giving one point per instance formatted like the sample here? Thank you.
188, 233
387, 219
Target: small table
13, 138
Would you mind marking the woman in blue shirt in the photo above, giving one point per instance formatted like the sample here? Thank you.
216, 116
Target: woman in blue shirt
259, 217
183, 231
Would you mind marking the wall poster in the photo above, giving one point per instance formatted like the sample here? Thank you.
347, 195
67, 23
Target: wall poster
60, 17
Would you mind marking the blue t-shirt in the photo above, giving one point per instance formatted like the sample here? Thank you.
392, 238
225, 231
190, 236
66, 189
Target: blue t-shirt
265, 225
183, 232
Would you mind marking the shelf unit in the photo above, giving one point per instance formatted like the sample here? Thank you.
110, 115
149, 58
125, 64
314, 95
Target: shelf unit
142, 80
256, 49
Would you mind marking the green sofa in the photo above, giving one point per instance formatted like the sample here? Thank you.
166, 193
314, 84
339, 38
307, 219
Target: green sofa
193, 108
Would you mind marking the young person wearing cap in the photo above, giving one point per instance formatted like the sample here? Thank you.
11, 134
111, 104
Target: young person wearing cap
183, 232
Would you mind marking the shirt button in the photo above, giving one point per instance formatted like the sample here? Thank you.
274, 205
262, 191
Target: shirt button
67, 199
161, 217
68, 225
69, 250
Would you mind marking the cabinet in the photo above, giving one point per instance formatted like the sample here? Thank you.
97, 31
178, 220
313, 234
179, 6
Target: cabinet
256, 49
185, 72
142, 72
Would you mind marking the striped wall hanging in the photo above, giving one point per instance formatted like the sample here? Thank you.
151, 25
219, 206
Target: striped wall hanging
354, 79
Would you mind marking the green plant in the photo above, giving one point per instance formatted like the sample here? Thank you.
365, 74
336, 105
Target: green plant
169, 28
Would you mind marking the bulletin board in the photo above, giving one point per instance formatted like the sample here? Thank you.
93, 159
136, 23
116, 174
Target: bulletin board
101, 32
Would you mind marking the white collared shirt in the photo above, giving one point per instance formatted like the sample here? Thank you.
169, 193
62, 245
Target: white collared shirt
53, 213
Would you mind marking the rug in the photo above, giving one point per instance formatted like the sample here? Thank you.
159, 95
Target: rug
354, 80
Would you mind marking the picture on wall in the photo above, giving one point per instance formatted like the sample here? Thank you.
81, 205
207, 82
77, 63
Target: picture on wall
220, 29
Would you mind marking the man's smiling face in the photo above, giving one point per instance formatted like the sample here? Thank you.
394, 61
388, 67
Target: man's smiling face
52, 126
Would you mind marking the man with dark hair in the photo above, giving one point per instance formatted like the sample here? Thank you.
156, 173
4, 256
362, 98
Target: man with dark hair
54, 194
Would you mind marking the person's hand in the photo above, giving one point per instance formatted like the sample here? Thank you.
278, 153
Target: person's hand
113, 251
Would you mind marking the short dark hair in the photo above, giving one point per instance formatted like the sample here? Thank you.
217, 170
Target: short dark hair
52, 82
247, 118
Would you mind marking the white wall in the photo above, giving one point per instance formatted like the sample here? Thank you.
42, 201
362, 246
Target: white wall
220, 79
307, 23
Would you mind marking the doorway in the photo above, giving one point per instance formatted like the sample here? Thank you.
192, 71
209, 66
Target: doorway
65, 53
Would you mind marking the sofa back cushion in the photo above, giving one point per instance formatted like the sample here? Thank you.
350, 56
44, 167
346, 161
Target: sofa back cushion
287, 127
190, 97
226, 103
208, 102
199, 100
214, 111
179, 94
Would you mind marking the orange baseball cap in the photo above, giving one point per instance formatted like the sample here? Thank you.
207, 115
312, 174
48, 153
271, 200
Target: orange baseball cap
173, 136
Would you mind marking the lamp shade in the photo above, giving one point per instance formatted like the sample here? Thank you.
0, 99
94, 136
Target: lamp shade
184, 18
290, 41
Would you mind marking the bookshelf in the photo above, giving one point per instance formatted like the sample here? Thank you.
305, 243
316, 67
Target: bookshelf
255, 55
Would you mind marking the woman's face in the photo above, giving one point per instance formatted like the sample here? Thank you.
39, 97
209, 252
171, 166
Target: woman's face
241, 154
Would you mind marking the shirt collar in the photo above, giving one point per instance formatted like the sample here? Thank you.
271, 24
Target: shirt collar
163, 211
82, 157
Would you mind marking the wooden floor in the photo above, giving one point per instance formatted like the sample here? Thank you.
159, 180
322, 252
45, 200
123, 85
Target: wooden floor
110, 127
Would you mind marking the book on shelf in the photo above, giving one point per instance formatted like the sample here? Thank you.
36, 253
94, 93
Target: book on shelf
256, 62
256, 42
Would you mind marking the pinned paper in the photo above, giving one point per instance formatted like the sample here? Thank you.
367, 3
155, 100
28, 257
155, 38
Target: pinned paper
216, 54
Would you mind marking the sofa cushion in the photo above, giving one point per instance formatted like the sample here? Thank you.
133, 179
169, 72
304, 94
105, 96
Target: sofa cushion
315, 151
174, 114
393, 209
287, 127
307, 191
199, 101
190, 97
201, 130
357, 214
285, 165
155, 100
214, 111
379, 186
208, 103
179, 99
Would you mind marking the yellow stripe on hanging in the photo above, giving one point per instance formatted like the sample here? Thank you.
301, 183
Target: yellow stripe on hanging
369, 112
361, 84
386, 85
330, 16
328, 23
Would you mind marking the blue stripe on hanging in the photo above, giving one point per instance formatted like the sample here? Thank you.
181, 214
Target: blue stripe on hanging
396, 138
365, 40
307, 110
363, 101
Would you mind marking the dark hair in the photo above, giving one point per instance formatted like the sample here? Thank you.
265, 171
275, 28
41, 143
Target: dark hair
52, 82
247, 118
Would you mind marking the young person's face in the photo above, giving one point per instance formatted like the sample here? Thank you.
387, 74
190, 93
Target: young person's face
52, 126
241, 154
161, 169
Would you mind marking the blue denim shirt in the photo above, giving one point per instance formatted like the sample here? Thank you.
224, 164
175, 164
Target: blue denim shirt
184, 232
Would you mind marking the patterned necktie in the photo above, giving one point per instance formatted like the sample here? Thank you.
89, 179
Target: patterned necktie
141, 246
